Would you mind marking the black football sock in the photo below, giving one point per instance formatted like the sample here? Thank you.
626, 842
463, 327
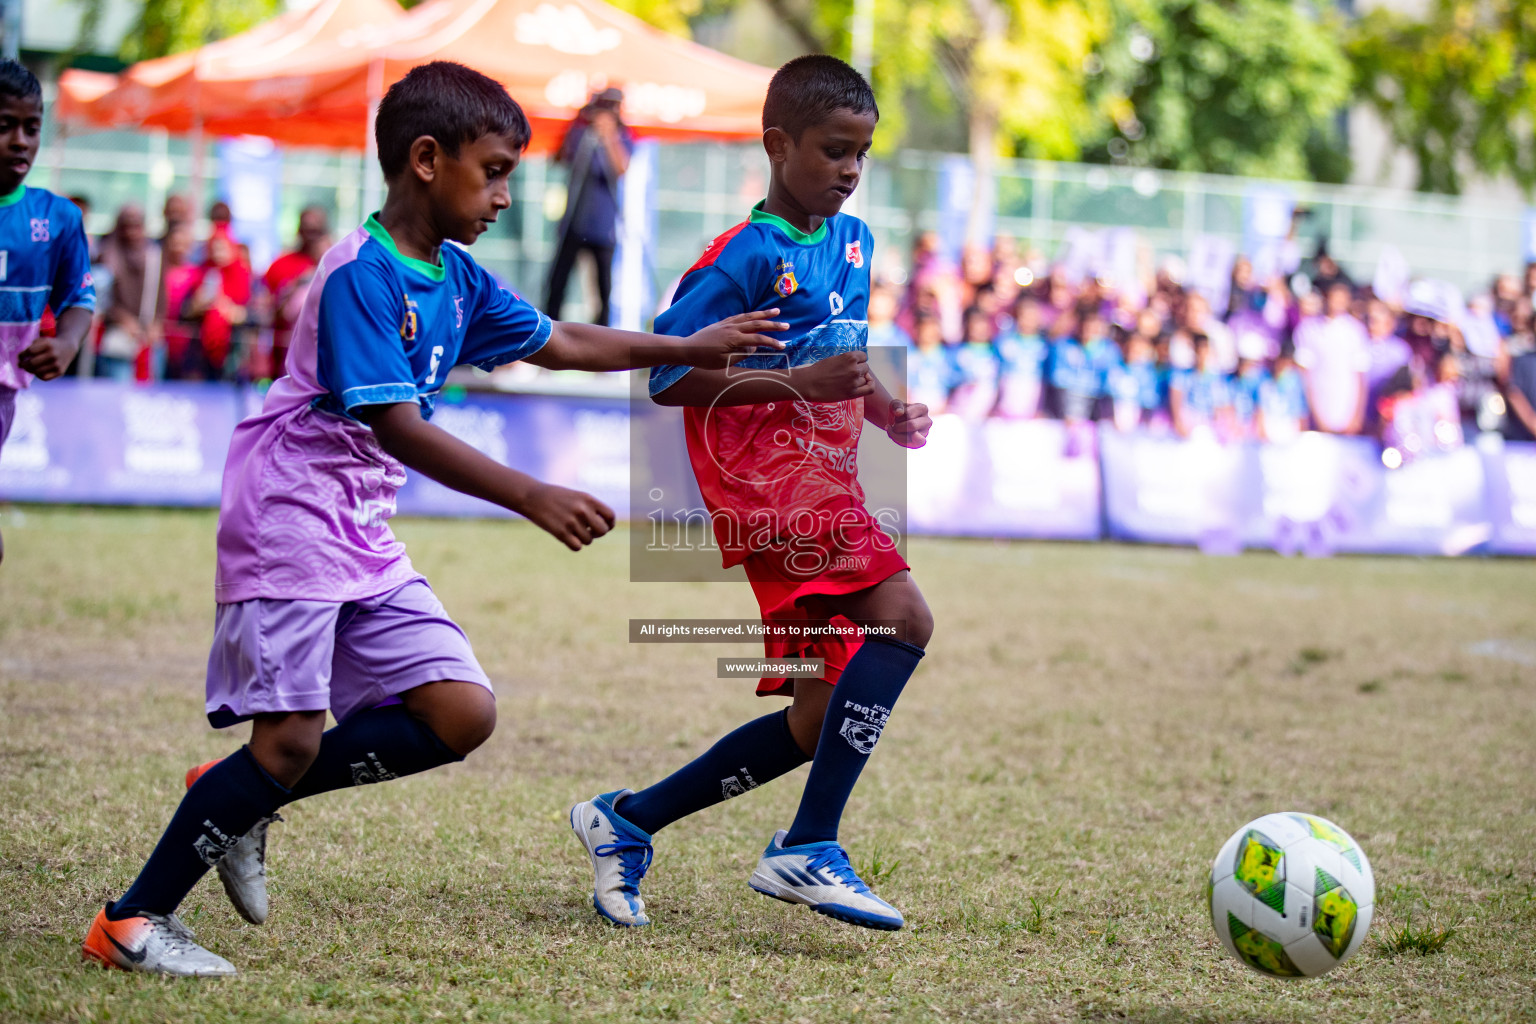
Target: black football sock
373, 746
221, 806
860, 704
761, 750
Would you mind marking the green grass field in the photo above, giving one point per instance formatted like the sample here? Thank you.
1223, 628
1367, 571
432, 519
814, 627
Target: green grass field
1091, 723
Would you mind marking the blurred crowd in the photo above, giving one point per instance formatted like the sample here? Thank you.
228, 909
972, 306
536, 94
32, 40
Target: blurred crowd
188, 305
1004, 333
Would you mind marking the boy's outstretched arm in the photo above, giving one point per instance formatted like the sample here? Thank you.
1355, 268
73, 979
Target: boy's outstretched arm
591, 347
833, 379
573, 518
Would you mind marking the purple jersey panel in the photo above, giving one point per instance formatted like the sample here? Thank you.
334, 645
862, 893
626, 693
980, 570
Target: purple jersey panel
308, 491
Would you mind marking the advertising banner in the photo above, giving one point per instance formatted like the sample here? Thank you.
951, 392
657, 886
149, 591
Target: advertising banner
1004, 478
1322, 494
634, 259
1511, 469
1317, 495
103, 442
251, 181
1166, 490
582, 443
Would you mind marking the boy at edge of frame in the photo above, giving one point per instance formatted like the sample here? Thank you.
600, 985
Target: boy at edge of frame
47, 298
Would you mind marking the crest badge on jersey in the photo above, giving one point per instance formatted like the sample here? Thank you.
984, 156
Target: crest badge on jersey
411, 323
784, 279
854, 253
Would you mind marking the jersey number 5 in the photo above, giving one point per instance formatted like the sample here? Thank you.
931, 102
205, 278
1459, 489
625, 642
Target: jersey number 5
437, 357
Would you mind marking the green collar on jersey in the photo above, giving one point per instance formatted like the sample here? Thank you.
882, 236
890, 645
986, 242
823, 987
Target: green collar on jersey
761, 216
433, 270
14, 197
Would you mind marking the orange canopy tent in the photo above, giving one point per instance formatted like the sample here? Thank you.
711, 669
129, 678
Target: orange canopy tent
553, 54
311, 77
301, 79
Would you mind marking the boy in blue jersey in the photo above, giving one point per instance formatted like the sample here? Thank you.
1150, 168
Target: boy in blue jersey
44, 261
319, 607
1079, 364
773, 442
1024, 352
1200, 399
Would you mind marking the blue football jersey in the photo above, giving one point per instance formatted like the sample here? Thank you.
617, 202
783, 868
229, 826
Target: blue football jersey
762, 463
44, 264
388, 328
819, 282
308, 491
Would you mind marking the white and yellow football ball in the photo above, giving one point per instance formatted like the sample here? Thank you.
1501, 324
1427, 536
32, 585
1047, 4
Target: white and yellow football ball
1291, 895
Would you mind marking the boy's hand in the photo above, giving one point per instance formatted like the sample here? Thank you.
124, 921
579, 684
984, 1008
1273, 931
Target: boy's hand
573, 518
909, 424
713, 347
835, 378
47, 358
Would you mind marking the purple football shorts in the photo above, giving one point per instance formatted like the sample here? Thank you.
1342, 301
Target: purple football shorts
273, 655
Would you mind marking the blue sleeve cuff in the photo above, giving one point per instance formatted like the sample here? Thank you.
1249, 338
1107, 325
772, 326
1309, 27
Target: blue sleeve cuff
540, 336
663, 377
537, 340
378, 394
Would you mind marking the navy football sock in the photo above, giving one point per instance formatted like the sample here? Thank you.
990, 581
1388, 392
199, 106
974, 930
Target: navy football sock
372, 746
761, 750
860, 704
220, 807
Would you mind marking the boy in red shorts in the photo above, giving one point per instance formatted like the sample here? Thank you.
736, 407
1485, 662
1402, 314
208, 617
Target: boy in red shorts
774, 451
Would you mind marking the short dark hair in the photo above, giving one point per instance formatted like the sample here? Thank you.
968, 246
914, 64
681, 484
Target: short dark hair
450, 102
809, 89
16, 82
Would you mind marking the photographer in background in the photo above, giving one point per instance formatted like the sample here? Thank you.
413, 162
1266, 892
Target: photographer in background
596, 147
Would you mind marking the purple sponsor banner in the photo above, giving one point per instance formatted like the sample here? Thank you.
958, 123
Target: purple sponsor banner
109, 443
1323, 494
1317, 495
1511, 469
1165, 490
1005, 478
119, 444
582, 443
164, 444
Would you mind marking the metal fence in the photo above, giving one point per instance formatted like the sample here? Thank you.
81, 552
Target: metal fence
704, 189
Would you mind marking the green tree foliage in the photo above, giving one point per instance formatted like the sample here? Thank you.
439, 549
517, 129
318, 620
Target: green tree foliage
671, 16
1230, 88
171, 26
1249, 87
1009, 67
1010, 70
1457, 89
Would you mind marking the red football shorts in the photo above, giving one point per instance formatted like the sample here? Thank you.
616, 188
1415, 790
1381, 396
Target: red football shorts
839, 549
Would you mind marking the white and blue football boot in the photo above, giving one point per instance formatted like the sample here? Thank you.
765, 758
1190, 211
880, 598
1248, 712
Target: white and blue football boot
621, 855
819, 876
